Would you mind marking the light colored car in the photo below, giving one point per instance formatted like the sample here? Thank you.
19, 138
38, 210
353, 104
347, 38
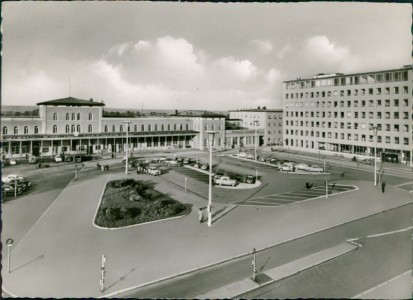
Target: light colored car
205, 167
242, 155
315, 168
225, 180
250, 156
13, 161
302, 167
287, 167
58, 159
154, 171
11, 178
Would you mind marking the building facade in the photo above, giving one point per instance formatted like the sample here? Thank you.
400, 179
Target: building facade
76, 126
269, 123
351, 114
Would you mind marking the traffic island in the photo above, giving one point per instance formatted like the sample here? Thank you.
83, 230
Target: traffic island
129, 202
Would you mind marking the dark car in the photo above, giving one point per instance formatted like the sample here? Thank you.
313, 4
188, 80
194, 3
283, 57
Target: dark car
9, 189
368, 161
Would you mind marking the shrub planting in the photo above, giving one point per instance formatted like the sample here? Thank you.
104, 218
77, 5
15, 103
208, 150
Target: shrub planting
128, 202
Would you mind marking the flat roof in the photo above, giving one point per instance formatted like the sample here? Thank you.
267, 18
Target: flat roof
333, 75
257, 110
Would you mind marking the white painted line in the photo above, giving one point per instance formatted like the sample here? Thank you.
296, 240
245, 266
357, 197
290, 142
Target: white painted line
402, 184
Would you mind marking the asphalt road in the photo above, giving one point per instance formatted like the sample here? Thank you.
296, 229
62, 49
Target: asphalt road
196, 283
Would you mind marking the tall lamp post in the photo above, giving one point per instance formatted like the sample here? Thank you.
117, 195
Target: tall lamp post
210, 138
127, 145
375, 128
256, 123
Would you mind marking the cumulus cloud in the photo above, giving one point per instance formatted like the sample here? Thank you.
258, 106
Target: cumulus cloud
120, 49
241, 69
142, 45
321, 47
284, 51
263, 46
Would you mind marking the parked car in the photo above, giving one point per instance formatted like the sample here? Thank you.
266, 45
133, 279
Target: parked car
250, 156
154, 171
242, 155
287, 167
225, 180
58, 159
302, 167
262, 159
13, 161
315, 168
23, 184
10, 178
205, 167
368, 161
186, 161
8, 189
174, 163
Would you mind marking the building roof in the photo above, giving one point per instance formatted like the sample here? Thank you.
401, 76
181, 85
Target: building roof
70, 101
197, 114
257, 110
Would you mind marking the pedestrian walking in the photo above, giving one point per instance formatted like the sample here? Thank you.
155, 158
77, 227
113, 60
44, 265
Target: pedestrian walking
200, 215
383, 186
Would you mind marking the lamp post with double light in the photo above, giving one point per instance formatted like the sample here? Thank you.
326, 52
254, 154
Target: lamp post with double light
375, 128
127, 145
211, 139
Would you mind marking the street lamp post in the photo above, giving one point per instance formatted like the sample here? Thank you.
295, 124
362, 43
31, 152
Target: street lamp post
127, 145
211, 138
375, 154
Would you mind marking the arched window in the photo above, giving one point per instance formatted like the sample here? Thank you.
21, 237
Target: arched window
26, 130
78, 116
135, 128
36, 129
78, 128
149, 127
186, 127
55, 116
89, 128
169, 127
162, 127
106, 128
73, 116
156, 127
113, 128
174, 127
121, 128
67, 128
5, 130
143, 128
16, 130
180, 127
67, 116
73, 128
90, 116
54, 128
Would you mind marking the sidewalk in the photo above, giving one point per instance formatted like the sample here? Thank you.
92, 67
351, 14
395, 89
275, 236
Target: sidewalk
61, 256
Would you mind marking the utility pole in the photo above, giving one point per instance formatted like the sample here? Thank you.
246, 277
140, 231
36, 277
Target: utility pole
9, 243
254, 264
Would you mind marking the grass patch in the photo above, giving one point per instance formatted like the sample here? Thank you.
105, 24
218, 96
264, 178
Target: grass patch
128, 202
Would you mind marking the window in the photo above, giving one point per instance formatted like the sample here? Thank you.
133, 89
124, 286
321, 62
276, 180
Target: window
396, 115
396, 89
387, 140
162, 127
106, 128
156, 127
5, 130
16, 130
387, 127
135, 127
54, 116
169, 127
89, 128
90, 116
396, 127
149, 127
396, 102
405, 102
78, 128
181, 126
378, 115
73, 128
113, 128
142, 127
78, 116
121, 128
73, 116
36, 129
175, 127
379, 139
405, 141
68, 129
67, 116
187, 128
54, 128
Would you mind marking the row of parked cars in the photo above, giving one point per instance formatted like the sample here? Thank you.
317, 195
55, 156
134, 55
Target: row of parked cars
14, 184
291, 166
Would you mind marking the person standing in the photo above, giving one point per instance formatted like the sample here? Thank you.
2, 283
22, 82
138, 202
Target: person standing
383, 186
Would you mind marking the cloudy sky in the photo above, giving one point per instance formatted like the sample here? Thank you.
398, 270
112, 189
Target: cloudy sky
212, 56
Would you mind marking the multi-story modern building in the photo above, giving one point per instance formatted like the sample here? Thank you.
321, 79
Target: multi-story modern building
72, 125
351, 113
267, 121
